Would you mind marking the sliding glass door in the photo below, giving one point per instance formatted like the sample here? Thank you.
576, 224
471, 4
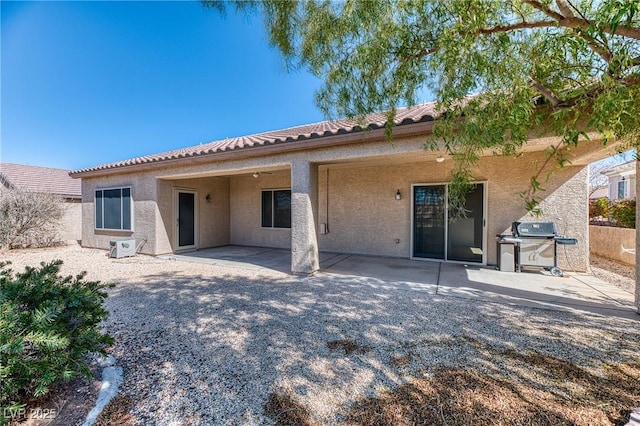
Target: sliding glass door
437, 235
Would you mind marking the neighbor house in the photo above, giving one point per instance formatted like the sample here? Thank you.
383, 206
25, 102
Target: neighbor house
334, 187
622, 180
47, 180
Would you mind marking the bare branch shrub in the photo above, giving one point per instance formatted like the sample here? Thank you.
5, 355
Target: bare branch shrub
29, 219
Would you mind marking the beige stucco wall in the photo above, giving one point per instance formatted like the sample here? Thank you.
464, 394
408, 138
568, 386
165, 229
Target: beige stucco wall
154, 211
246, 210
362, 214
212, 216
71, 222
143, 194
617, 244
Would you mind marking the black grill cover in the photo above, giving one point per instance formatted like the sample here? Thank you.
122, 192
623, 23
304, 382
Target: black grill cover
533, 229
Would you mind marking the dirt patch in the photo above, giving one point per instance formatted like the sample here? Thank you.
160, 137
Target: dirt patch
285, 411
349, 346
64, 405
462, 397
401, 360
116, 413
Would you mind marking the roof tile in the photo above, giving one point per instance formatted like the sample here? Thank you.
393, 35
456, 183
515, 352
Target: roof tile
411, 115
40, 179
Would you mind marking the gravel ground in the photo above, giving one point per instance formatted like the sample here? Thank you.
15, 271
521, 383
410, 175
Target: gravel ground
621, 275
205, 344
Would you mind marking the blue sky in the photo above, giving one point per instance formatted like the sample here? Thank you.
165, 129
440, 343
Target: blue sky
84, 83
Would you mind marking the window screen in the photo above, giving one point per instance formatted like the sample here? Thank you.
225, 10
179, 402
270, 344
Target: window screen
113, 208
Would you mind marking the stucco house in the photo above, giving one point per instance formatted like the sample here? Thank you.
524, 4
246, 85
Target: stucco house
622, 181
330, 186
47, 180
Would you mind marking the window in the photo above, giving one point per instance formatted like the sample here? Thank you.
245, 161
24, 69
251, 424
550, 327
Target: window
276, 208
113, 208
622, 189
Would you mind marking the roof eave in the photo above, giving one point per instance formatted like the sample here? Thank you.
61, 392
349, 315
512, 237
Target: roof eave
400, 131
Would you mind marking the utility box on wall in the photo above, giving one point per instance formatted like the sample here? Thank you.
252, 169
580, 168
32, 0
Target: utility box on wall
122, 248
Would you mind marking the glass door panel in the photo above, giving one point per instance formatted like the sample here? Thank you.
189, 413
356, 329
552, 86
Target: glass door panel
186, 219
429, 221
465, 235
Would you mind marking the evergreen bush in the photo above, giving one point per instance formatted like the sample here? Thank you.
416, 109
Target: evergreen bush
48, 325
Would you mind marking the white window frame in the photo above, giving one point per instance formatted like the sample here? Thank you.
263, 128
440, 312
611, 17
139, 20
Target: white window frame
95, 217
272, 190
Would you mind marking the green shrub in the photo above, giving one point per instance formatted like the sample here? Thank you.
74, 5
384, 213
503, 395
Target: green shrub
624, 213
599, 208
48, 324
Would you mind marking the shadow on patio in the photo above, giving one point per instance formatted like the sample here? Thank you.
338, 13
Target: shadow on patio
573, 292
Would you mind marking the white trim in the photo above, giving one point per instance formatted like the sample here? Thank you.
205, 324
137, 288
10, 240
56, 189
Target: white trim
485, 203
272, 228
176, 203
131, 209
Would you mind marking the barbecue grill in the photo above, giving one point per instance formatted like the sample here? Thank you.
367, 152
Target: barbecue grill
536, 244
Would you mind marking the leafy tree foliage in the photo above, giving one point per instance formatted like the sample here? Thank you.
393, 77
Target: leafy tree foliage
48, 324
624, 213
498, 68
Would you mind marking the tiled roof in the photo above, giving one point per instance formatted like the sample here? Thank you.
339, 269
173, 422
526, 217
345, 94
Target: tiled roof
39, 179
416, 114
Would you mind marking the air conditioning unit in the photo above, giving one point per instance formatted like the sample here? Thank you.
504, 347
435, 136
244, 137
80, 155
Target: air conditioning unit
122, 248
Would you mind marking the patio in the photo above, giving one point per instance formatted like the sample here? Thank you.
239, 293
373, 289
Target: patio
577, 292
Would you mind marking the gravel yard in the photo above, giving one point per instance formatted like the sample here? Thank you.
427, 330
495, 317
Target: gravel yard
205, 344
621, 275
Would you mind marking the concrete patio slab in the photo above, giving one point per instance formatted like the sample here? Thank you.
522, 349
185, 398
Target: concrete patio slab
573, 292
537, 289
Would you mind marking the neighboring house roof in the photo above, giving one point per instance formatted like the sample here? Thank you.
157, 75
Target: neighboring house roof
624, 169
412, 115
599, 192
40, 179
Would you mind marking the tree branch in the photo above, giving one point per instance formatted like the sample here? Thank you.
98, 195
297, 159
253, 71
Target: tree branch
546, 92
601, 49
572, 21
542, 8
564, 9
518, 26
621, 30
420, 54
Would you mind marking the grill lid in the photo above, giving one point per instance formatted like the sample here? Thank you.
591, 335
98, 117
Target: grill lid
533, 229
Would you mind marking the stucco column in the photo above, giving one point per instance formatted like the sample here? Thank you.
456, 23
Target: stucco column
304, 202
637, 235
